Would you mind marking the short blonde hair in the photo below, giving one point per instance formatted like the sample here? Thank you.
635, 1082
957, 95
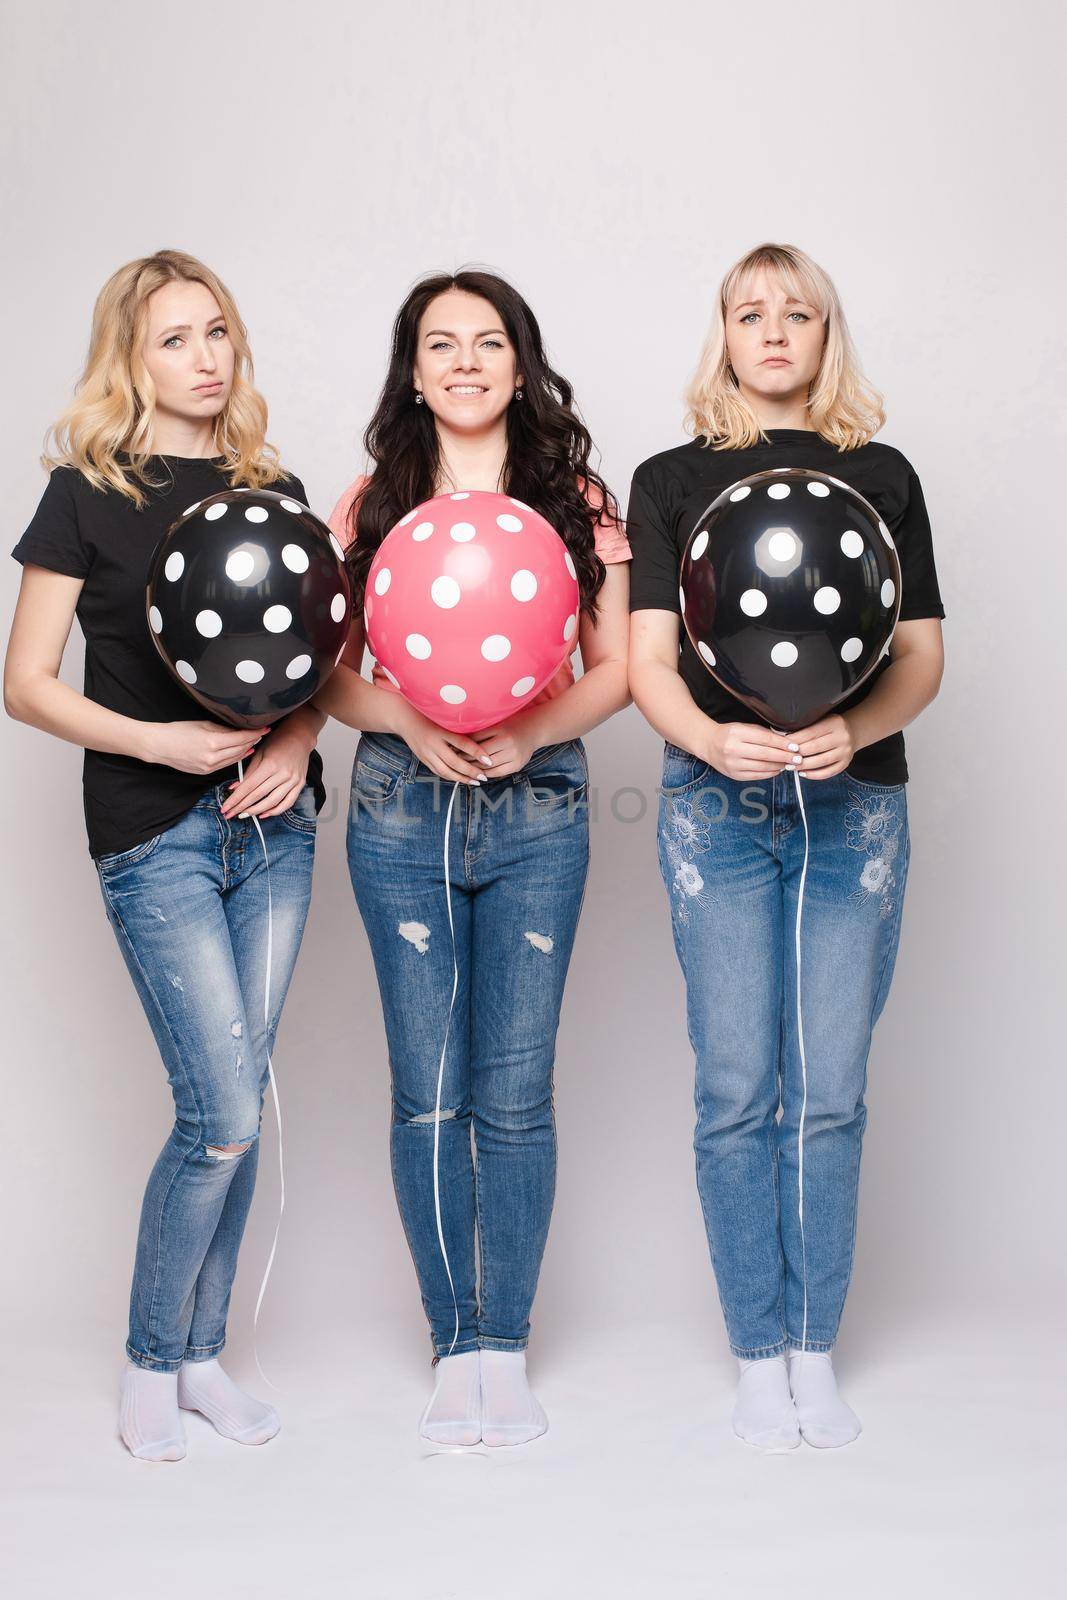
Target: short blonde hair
113, 410
842, 405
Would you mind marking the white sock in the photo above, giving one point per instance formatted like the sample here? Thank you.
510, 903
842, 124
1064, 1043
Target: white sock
511, 1412
149, 1420
825, 1420
453, 1412
204, 1387
763, 1412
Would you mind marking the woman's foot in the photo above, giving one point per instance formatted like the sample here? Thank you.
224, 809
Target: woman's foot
511, 1412
149, 1420
763, 1412
204, 1387
825, 1420
453, 1414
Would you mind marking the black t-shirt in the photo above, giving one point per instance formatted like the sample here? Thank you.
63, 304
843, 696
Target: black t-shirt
101, 537
672, 490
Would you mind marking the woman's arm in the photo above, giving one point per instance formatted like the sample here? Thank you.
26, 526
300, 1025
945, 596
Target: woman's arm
741, 750
34, 694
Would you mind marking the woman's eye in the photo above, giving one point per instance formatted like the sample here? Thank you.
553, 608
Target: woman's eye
749, 315
173, 342
441, 344
801, 314
494, 344
219, 330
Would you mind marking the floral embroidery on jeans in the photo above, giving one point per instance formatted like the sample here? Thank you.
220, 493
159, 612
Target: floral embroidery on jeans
687, 834
872, 826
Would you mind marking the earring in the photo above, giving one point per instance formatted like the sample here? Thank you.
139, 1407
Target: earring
518, 394
418, 397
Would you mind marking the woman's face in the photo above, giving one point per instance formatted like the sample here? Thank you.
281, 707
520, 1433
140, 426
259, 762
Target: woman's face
774, 342
465, 363
187, 351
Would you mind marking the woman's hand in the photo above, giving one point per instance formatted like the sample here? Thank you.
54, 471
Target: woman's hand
509, 745
453, 756
749, 752
275, 776
199, 747
827, 747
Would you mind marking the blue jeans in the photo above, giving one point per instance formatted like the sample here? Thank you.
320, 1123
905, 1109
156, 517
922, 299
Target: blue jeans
731, 855
189, 910
518, 854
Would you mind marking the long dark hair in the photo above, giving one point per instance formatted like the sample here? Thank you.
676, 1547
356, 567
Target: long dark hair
548, 445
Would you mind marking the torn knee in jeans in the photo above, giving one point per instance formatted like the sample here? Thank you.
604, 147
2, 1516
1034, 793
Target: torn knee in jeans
430, 1116
226, 1152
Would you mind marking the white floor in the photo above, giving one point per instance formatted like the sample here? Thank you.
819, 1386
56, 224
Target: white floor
955, 1487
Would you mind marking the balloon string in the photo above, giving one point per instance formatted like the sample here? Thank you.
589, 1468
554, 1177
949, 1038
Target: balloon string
274, 1093
441, 1076
804, 1075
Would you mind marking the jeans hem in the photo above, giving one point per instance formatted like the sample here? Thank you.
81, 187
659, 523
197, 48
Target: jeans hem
203, 1352
759, 1352
819, 1346
461, 1347
152, 1363
488, 1343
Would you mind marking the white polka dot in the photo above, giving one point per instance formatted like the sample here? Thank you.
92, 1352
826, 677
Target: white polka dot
213, 513
175, 566
189, 511
496, 647
257, 514
753, 602
889, 592
298, 666
337, 548
423, 531
444, 592
781, 546
295, 507
242, 491
705, 652
509, 524
452, 694
741, 494
462, 495
295, 558
524, 585
185, 671
417, 645
462, 532
392, 679
681, 598
520, 503
778, 491
209, 624
240, 565
156, 619
405, 520
818, 489
522, 686
852, 544
338, 607
277, 618
886, 535
568, 562
851, 649
827, 600
249, 671
383, 580
700, 544
569, 627
783, 654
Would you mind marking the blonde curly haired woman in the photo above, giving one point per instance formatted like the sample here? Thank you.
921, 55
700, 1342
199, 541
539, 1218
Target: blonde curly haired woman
778, 384
165, 414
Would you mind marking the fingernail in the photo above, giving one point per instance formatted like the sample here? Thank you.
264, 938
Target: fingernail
241, 814
485, 761
794, 747
797, 760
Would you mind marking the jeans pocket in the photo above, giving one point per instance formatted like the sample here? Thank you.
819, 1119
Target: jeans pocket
874, 788
302, 815
115, 860
683, 771
559, 774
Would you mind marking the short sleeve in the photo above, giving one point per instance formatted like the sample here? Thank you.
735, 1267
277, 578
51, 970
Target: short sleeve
654, 574
609, 539
337, 521
54, 536
920, 594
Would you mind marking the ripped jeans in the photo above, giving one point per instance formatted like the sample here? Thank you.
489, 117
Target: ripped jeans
189, 911
518, 854
731, 855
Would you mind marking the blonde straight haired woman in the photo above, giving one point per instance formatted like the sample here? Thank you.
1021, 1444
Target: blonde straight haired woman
166, 414
778, 385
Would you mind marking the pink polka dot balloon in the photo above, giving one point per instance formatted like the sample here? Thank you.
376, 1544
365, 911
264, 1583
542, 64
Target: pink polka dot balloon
471, 607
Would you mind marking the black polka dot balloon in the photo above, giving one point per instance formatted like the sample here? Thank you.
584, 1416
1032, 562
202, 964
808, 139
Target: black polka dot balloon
790, 591
248, 604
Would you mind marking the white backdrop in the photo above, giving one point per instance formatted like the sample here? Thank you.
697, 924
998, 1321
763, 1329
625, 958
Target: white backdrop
613, 161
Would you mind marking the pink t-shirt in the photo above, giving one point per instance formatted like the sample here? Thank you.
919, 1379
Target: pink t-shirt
608, 537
